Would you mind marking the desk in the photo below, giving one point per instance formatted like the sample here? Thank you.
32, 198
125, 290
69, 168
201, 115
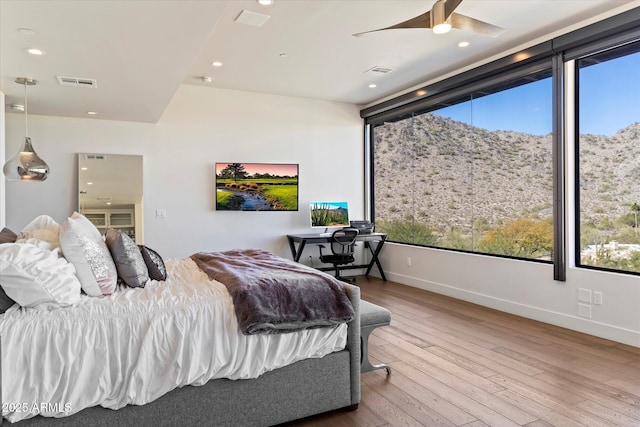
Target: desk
373, 242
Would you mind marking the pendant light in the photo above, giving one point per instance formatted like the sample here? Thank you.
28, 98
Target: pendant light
26, 165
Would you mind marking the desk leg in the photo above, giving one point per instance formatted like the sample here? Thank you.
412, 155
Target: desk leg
374, 257
296, 254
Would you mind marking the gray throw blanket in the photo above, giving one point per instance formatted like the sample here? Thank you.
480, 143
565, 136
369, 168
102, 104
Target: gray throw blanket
274, 295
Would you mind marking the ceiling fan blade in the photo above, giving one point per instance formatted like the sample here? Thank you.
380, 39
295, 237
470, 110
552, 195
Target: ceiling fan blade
462, 22
450, 6
420, 21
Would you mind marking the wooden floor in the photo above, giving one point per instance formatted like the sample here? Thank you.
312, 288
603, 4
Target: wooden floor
459, 364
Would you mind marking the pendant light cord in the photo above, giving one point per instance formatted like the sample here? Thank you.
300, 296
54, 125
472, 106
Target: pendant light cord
26, 115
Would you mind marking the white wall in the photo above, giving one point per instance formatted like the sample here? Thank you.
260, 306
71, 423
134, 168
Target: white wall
2, 160
202, 126
523, 288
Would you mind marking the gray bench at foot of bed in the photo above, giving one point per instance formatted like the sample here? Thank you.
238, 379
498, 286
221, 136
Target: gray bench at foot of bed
371, 316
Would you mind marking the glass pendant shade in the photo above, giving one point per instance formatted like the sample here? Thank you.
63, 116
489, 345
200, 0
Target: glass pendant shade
26, 165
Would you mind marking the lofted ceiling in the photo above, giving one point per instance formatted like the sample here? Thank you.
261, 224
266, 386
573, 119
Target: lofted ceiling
140, 51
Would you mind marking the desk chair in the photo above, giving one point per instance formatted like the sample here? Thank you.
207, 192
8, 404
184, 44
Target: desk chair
342, 248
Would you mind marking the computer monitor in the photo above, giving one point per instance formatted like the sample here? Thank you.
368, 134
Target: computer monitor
326, 214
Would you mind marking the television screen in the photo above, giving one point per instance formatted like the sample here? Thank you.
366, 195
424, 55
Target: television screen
329, 214
256, 187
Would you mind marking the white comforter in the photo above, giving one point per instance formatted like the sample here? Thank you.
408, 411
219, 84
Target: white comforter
136, 345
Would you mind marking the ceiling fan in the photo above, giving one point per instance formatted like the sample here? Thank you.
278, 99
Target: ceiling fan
441, 18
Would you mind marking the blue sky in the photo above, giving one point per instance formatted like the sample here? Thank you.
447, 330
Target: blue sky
610, 95
330, 205
609, 101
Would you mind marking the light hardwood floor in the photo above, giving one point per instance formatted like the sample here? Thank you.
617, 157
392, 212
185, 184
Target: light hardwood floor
460, 364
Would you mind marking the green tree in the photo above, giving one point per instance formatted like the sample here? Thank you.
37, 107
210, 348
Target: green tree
233, 170
454, 239
522, 237
407, 231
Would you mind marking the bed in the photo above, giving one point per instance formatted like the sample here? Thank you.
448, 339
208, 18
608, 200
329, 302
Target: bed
172, 351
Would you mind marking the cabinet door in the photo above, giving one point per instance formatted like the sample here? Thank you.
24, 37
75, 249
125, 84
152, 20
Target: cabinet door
99, 219
121, 219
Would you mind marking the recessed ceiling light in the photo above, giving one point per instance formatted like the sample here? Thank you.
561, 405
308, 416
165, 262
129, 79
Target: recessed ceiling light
206, 79
35, 51
265, 2
84, 168
216, 64
92, 113
108, 203
421, 92
26, 31
372, 85
463, 44
283, 55
17, 107
89, 183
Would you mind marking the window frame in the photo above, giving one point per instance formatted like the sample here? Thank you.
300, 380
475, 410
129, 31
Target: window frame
624, 45
512, 78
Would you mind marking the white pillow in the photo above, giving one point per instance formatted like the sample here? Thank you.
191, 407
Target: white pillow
88, 225
33, 275
83, 246
43, 232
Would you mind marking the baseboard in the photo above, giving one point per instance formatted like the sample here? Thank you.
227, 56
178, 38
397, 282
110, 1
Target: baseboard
575, 323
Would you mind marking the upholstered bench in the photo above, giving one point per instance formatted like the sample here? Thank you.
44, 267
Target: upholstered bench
371, 316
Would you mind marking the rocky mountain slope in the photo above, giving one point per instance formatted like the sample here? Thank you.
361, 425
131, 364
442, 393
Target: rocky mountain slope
454, 173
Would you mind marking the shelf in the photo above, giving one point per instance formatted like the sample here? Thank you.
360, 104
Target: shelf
120, 219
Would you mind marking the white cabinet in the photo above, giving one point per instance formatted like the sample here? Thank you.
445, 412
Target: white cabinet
121, 219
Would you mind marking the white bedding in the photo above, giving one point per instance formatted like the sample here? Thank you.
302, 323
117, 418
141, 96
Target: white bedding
137, 344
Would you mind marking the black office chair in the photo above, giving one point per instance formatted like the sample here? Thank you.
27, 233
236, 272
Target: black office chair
342, 248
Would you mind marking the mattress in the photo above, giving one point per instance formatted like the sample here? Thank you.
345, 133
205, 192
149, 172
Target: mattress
137, 344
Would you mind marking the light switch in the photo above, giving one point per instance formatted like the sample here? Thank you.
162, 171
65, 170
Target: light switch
161, 213
597, 298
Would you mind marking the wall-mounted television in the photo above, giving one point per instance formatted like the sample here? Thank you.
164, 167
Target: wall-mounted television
328, 214
256, 187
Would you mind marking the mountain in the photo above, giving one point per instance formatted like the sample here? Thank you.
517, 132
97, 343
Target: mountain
452, 171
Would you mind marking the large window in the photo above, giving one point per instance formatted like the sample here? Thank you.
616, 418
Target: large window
608, 159
477, 162
474, 173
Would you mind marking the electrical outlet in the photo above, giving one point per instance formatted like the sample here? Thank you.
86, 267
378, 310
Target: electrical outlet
584, 310
408, 261
161, 213
597, 298
584, 295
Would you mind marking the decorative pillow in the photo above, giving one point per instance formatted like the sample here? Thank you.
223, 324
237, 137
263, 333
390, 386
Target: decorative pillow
33, 275
86, 224
5, 301
129, 262
154, 262
43, 232
83, 246
7, 236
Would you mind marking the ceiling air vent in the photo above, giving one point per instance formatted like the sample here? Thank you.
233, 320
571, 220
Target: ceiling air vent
76, 81
378, 70
251, 18
95, 157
